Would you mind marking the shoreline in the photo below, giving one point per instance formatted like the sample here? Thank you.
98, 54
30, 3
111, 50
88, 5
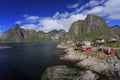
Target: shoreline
100, 63
4, 47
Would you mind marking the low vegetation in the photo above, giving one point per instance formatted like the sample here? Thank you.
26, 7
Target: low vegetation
115, 45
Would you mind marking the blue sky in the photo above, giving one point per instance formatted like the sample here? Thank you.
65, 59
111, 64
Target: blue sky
48, 15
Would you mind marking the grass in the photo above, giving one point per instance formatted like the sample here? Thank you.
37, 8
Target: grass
115, 45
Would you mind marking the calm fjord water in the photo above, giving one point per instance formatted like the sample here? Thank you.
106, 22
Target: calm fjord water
27, 61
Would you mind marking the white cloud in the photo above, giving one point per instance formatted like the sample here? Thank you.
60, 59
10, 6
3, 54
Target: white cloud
58, 21
108, 8
50, 24
62, 23
18, 22
92, 3
114, 17
57, 15
29, 26
112, 9
32, 18
95, 10
61, 15
75, 5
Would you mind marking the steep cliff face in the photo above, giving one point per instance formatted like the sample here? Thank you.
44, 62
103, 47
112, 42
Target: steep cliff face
116, 29
13, 34
92, 23
75, 30
90, 28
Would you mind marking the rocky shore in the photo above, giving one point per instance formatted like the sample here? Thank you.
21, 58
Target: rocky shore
63, 72
92, 65
4, 47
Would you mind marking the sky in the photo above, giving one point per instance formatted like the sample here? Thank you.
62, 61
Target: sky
48, 15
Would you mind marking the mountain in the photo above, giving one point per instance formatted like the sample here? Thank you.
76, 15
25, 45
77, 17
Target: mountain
116, 29
16, 34
54, 35
13, 34
90, 28
32, 35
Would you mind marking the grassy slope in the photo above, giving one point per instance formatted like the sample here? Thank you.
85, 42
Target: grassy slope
103, 32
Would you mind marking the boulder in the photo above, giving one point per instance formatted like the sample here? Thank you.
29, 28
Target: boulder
62, 72
88, 75
93, 64
73, 55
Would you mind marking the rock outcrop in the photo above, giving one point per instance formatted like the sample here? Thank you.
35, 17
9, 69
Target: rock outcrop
63, 72
73, 55
94, 64
107, 66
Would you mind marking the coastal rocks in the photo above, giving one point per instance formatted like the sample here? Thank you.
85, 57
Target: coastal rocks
107, 66
4, 47
62, 46
63, 72
73, 55
88, 75
66, 45
117, 66
59, 73
117, 69
93, 64
118, 53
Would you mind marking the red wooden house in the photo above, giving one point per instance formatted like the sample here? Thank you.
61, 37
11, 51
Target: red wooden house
98, 41
107, 51
83, 46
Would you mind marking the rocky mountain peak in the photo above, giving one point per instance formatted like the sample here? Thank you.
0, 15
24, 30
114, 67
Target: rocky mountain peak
90, 16
97, 20
53, 32
62, 30
93, 23
92, 27
15, 27
13, 34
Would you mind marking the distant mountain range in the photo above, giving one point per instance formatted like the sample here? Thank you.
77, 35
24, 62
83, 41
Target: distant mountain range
16, 34
88, 29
